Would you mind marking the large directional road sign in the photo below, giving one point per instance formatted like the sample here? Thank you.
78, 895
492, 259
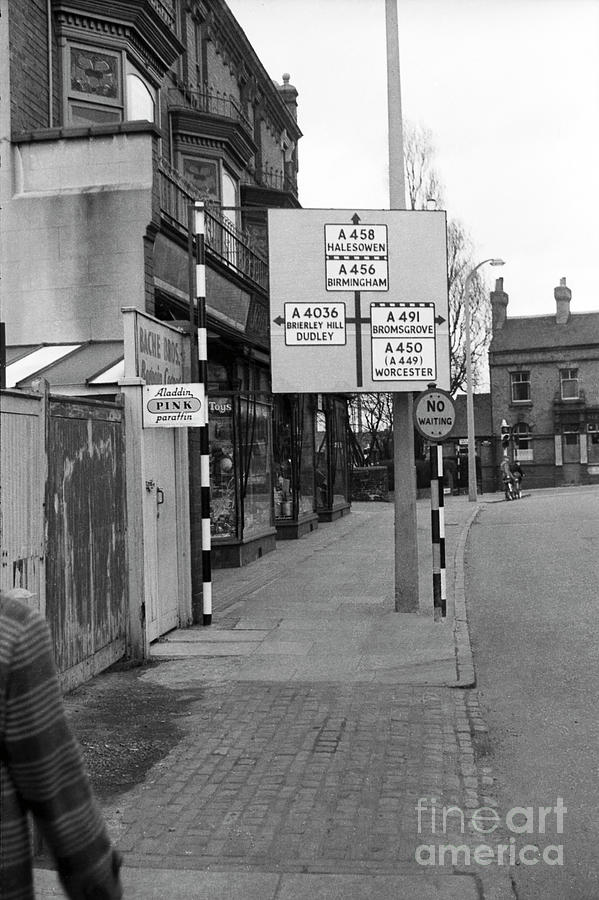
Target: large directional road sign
358, 300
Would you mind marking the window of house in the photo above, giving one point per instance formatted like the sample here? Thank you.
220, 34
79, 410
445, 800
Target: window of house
198, 36
214, 183
141, 97
522, 442
204, 174
569, 384
520, 387
94, 81
571, 435
230, 200
102, 86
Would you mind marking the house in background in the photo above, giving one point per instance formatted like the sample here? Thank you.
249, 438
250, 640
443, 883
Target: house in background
455, 450
544, 376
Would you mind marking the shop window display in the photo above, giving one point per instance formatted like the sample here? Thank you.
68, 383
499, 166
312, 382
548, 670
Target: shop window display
223, 501
332, 488
338, 453
322, 464
294, 457
256, 476
306, 456
240, 467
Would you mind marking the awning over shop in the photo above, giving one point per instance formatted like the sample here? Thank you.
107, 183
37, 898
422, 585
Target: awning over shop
69, 368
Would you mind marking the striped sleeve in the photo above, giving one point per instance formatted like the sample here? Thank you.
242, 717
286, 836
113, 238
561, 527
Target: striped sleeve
46, 767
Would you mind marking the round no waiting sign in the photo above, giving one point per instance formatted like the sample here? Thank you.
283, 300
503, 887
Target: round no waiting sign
434, 414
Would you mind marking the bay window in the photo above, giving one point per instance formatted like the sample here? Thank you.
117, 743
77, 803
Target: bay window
103, 86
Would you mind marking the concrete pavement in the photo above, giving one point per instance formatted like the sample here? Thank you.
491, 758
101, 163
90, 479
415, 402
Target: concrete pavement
319, 716
322, 608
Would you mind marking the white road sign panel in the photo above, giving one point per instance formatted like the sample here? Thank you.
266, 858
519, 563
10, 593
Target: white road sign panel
403, 341
356, 257
348, 275
402, 252
314, 324
173, 405
349, 240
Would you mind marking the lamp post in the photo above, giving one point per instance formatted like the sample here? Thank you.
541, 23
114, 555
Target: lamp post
469, 388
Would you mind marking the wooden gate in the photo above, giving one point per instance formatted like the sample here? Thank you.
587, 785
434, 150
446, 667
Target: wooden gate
162, 579
86, 590
22, 474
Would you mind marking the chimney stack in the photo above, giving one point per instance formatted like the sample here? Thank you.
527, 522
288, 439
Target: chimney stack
562, 295
499, 302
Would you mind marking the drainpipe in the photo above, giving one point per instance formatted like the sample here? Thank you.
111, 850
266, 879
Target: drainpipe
50, 66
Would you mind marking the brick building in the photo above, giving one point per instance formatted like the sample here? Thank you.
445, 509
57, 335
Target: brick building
455, 450
544, 375
114, 117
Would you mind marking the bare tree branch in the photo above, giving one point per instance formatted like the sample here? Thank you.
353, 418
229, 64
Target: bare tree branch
423, 183
375, 416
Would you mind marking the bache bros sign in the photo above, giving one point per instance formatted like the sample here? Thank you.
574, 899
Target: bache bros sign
154, 351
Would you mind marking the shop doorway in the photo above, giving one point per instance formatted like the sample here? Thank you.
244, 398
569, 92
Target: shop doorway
571, 456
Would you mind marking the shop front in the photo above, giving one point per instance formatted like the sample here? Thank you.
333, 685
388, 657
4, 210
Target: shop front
332, 458
294, 449
241, 478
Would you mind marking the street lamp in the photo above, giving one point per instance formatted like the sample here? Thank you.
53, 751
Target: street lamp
469, 389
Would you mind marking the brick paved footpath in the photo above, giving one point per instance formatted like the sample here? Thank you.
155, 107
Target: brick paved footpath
315, 719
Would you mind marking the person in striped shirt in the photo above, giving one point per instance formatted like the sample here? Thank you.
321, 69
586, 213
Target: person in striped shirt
41, 770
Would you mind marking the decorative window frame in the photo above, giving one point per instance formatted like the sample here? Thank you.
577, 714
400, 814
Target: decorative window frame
72, 96
215, 164
126, 65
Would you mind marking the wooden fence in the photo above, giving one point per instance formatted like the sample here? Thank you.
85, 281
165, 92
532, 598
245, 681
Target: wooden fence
63, 522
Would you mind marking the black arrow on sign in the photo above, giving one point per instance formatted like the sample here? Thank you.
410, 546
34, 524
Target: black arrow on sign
279, 320
355, 218
439, 320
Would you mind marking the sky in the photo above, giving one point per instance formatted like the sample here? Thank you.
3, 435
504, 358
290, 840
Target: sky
509, 90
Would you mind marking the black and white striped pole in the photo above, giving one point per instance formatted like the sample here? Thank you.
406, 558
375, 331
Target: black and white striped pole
434, 418
199, 230
438, 533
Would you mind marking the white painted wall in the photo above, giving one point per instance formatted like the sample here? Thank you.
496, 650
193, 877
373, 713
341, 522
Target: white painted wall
74, 217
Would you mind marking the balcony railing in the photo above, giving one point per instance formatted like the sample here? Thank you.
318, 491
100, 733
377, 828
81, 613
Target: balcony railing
229, 244
209, 101
273, 179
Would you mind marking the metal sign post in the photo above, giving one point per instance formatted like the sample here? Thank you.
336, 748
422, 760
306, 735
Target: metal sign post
438, 534
406, 529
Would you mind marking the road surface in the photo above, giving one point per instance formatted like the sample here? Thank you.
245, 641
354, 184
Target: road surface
532, 583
